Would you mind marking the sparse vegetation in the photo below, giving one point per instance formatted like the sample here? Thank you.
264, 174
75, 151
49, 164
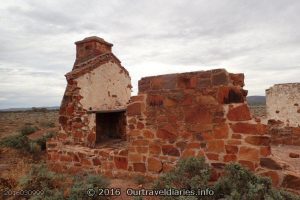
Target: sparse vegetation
47, 124
22, 142
27, 130
237, 183
139, 179
56, 187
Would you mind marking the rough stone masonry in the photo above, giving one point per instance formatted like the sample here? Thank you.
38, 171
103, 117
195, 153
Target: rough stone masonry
204, 113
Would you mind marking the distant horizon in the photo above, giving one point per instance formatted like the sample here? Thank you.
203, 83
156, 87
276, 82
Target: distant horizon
58, 106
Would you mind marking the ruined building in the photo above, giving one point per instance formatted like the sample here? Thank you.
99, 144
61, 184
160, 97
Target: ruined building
203, 113
283, 103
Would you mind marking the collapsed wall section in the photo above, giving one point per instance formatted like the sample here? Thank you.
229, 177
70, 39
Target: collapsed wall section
283, 103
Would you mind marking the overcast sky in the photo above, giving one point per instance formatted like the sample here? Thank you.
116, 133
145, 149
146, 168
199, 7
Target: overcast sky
258, 38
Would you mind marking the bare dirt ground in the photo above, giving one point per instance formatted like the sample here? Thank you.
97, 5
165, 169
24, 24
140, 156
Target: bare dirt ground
12, 122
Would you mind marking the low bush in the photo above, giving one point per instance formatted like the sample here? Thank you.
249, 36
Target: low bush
22, 142
237, 183
15, 141
46, 124
139, 180
27, 130
240, 183
82, 183
40, 178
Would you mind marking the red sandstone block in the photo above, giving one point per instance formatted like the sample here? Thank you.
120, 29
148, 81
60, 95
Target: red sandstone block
249, 128
229, 158
231, 149
140, 125
139, 167
239, 113
85, 162
294, 155
291, 181
236, 136
212, 156
221, 131
154, 149
167, 167
258, 140
169, 102
188, 153
66, 158
220, 78
237, 79
216, 146
134, 109
249, 153
265, 151
91, 138
148, 134
137, 98
195, 145
248, 164
135, 158
121, 162
96, 162
140, 142
170, 150
166, 135
123, 152
234, 142
274, 177
154, 165
198, 114
141, 149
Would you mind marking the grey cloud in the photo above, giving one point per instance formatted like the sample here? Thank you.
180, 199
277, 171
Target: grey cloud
150, 37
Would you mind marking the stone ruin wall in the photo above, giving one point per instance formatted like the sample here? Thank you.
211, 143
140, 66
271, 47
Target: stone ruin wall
283, 113
283, 103
173, 116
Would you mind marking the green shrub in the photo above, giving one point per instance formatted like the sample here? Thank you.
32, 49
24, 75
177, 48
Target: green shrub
46, 124
190, 173
139, 180
27, 130
16, 141
240, 183
42, 141
40, 178
82, 183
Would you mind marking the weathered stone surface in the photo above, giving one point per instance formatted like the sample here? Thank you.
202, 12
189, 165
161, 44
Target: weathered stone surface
291, 181
258, 140
198, 114
166, 135
230, 158
216, 146
231, 149
170, 150
121, 162
273, 175
248, 153
249, 128
239, 113
134, 109
294, 155
154, 165
139, 167
270, 163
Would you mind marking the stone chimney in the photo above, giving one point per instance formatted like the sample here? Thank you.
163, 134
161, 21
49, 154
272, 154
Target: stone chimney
90, 47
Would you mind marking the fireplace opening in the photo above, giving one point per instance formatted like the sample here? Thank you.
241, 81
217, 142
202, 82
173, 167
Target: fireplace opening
110, 126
